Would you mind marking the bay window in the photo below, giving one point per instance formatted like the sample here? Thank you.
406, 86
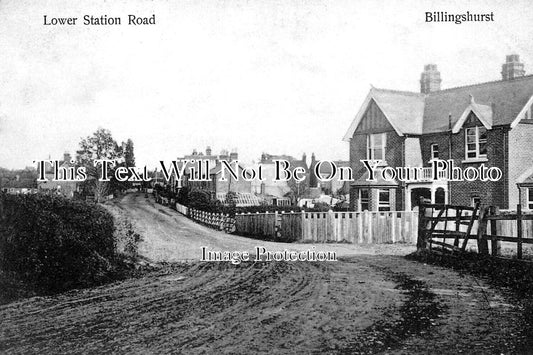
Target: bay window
364, 204
384, 200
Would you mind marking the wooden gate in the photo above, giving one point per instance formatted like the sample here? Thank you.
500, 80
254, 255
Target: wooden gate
446, 226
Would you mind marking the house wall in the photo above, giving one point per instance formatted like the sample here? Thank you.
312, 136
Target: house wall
462, 192
520, 158
231, 184
65, 188
413, 153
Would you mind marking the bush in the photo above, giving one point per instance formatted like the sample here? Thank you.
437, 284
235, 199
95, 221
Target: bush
55, 244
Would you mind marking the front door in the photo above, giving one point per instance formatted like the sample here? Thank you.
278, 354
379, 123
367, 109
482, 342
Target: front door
417, 193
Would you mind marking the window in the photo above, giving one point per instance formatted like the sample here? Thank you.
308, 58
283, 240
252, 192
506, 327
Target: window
476, 143
476, 199
383, 200
376, 146
434, 151
363, 200
530, 198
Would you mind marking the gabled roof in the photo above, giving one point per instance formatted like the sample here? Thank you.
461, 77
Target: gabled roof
498, 103
506, 97
482, 112
402, 109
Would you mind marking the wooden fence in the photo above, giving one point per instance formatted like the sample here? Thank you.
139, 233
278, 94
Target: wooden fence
257, 224
490, 227
497, 227
354, 227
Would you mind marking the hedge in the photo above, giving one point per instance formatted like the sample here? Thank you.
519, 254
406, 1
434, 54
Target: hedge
55, 244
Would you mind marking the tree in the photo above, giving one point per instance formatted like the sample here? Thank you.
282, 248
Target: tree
100, 145
129, 156
183, 196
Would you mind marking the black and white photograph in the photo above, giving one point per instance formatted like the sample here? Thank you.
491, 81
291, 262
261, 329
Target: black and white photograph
266, 177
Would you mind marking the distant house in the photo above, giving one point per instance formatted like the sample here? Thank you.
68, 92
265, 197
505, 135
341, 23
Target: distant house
333, 187
64, 188
215, 185
488, 123
275, 191
21, 181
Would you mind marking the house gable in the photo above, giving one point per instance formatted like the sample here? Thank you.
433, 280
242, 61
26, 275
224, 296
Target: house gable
471, 121
481, 113
402, 110
525, 115
373, 121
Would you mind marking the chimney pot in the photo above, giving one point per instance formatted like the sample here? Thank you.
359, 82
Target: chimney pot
430, 79
512, 68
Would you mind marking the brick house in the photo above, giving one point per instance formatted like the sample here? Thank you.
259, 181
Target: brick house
270, 188
215, 186
488, 123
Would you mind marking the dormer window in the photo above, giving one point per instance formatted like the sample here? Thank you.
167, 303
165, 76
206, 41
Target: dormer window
476, 142
376, 146
434, 151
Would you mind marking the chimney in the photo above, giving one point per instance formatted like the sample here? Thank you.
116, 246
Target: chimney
233, 155
66, 157
430, 79
208, 150
223, 155
512, 67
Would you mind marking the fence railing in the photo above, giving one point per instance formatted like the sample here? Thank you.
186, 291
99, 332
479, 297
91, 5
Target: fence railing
497, 227
218, 221
453, 230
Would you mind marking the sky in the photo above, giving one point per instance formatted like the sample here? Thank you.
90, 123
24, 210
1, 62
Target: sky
282, 77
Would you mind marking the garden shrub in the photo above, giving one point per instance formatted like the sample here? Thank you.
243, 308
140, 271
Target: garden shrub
55, 244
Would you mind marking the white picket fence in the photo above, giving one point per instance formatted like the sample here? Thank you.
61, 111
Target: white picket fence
354, 227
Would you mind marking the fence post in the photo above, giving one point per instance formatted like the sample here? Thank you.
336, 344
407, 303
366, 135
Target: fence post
495, 243
302, 222
421, 241
519, 231
482, 244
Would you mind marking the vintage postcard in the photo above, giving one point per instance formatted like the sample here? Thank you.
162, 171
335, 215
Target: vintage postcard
250, 177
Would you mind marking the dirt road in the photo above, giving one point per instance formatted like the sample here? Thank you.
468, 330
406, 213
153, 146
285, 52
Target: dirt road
169, 236
363, 304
